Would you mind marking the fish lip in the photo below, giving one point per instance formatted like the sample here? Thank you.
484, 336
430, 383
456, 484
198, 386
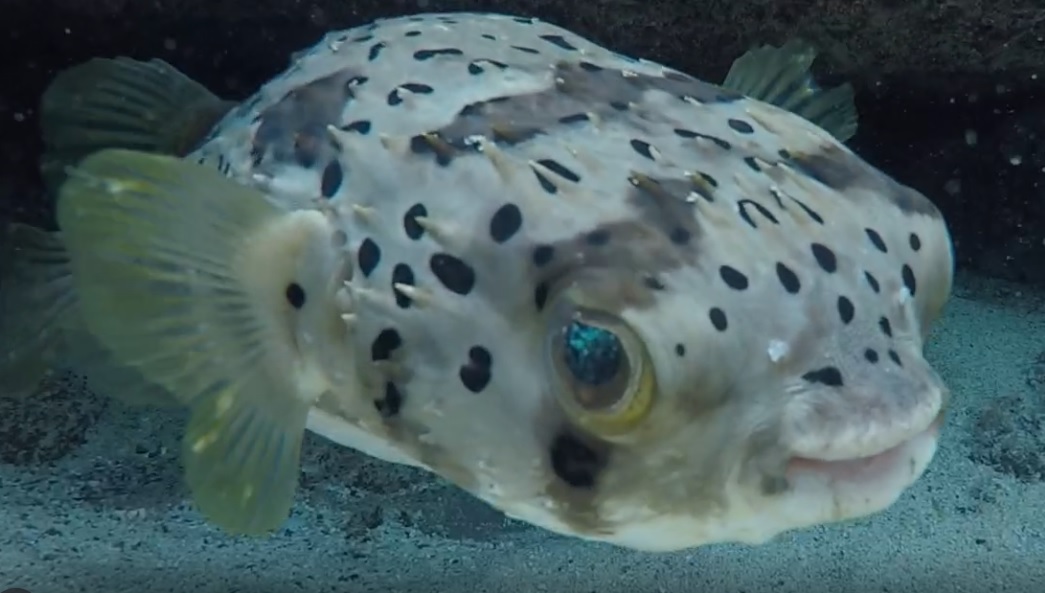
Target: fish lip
816, 432
841, 467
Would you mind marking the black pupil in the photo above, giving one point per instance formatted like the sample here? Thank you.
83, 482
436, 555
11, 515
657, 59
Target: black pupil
592, 354
295, 295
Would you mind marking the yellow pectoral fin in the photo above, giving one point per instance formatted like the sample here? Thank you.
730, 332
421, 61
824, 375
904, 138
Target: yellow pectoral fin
182, 273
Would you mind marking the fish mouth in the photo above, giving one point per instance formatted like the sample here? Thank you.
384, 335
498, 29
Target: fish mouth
909, 457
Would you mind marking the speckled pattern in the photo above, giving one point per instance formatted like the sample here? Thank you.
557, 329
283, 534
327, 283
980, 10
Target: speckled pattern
112, 516
664, 204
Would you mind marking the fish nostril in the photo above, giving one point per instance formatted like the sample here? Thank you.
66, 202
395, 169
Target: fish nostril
829, 376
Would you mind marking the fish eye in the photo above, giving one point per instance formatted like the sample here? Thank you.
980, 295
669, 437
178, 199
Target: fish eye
603, 373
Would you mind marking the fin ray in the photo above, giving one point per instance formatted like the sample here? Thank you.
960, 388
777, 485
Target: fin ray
124, 103
36, 302
177, 268
781, 76
41, 329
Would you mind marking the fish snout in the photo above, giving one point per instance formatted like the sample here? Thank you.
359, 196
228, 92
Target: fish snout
863, 418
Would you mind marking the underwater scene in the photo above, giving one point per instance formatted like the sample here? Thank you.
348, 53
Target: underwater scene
609, 296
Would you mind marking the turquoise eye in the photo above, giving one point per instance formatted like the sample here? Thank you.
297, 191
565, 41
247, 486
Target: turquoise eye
603, 376
593, 355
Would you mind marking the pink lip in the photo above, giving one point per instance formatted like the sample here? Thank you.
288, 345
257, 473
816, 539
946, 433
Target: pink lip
860, 468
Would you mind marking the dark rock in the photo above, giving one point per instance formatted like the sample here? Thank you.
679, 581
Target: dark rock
1009, 437
50, 424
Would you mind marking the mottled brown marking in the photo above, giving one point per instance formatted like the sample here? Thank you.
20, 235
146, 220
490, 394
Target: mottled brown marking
615, 270
578, 89
294, 129
663, 204
842, 170
613, 273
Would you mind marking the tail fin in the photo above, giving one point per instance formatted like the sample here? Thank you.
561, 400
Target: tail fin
186, 275
36, 304
41, 327
122, 103
781, 76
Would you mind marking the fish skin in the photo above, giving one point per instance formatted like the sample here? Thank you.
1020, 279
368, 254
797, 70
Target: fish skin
751, 255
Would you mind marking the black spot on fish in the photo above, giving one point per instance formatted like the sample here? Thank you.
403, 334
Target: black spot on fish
475, 67
846, 310
546, 184
361, 126
893, 356
384, 344
813, 214
788, 278
643, 148
743, 207
475, 375
909, 281
453, 273
825, 258
574, 118
369, 256
375, 50
330, 182
395, 97
885, 326
683, 133
392, 401
542, 255
402, 274
560, 170
505, 223
559, 41
872, 282
540, 296
295, 295
915, 242
413, 229
733, 278
829, 376
876, 240
718, 319
574, 462
740, 126
422, 55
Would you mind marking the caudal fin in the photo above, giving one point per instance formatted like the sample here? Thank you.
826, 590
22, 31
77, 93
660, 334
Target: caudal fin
185, 275
781, 76
41, 328
122, 103
36, 304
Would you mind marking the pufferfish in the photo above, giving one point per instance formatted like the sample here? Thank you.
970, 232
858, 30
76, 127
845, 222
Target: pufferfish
601, 295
